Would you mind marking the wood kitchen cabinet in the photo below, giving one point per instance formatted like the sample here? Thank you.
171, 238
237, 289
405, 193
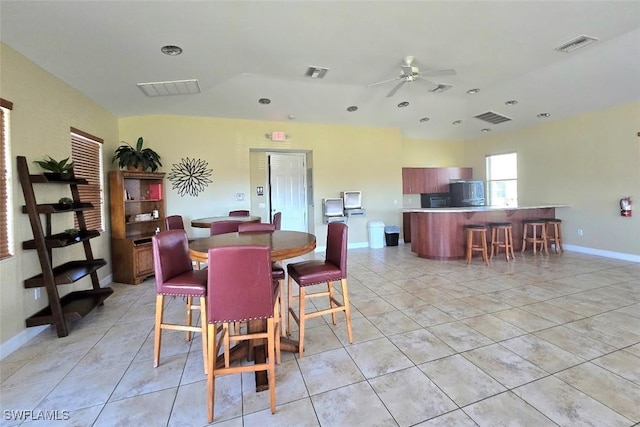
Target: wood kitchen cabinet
135, 196
431, 180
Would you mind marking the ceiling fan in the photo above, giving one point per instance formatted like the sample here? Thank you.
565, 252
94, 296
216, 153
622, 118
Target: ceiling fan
411, 74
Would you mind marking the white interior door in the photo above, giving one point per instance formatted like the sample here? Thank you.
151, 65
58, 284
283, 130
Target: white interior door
287, 176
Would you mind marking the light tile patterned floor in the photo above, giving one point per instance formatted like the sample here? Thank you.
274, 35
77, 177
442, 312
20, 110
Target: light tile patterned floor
543, 340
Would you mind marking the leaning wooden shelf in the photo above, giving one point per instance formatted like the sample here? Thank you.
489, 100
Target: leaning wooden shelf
73, 305
67, 273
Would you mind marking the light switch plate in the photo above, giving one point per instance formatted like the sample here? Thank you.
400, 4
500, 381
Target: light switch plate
239, 197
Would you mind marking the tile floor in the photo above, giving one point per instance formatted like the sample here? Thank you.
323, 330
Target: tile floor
543, 340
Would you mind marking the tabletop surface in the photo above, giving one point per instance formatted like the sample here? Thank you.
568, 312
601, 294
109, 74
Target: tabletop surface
206, 222
284, 244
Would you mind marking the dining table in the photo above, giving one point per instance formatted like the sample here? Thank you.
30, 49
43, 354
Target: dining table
206, 222
283, 244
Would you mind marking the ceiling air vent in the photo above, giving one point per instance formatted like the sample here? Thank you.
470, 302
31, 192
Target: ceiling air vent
316, 72
175, 87
576, 44
492, 117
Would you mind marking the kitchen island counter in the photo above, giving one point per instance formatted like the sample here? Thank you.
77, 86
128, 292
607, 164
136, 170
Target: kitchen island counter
438, 233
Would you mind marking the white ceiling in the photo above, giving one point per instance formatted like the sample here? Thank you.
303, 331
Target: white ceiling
241, 51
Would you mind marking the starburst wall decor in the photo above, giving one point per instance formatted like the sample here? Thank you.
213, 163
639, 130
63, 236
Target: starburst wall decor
190, 176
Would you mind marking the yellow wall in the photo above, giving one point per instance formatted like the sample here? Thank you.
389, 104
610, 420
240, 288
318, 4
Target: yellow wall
344, 158
590, 162
44, 110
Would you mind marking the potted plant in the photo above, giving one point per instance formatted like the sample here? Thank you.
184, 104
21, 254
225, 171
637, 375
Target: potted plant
72, 232
59, 170
137, 157
65, 202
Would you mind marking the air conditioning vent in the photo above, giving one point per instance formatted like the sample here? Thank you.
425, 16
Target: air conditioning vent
316, 72
491, 117
576, 44
175, 87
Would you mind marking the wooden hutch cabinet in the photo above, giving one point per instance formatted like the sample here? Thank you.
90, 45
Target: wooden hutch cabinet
137, 213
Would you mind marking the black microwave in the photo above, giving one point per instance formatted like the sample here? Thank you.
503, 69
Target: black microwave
434, 200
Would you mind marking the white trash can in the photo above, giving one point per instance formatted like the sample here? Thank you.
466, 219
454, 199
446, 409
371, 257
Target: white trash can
376, 234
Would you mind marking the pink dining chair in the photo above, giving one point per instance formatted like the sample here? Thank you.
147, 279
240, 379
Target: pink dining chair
255, 226
221, 227
277, 220
277, 270
173, 222
240, 289
175, 276
313, 272
240, 212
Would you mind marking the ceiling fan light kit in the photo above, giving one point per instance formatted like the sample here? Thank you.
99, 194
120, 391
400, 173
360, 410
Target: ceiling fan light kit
411, 73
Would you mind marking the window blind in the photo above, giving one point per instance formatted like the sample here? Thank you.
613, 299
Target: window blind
5, 247
86, 153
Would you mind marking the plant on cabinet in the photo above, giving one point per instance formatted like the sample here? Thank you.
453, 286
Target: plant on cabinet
137, 158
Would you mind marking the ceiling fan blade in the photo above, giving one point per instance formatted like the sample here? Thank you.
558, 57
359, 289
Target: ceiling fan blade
422, 79
395, 88
444, 72
384, 81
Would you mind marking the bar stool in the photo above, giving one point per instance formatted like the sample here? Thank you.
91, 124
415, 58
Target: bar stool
506, 243
481, 232
555, 226
537, 237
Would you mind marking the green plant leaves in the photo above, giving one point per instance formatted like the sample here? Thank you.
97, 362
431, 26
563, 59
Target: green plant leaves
55, 166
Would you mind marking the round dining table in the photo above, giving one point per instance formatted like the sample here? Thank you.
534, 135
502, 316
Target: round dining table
206, 222
283, 244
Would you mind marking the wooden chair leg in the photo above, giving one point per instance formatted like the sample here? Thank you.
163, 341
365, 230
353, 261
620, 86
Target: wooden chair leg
204, 333
271, 337
485, 257
301, 319
189, 316
332, 303
524, 237
347, 309
469, 245
212, 351
157, 339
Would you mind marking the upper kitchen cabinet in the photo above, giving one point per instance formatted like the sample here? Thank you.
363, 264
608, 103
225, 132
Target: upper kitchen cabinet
431, 180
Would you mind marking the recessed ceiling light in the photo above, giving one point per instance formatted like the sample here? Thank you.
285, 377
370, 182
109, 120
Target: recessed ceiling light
512, 102
544, 115
291, 117
425, 119
171, 50
473, 91
457, 122
403, 104
352, 108
485, 130
264, 101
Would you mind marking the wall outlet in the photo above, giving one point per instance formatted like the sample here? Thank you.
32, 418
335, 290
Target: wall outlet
580, 232
37, 293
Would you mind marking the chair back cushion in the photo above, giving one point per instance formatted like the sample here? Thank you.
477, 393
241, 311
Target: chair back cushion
240, 212
174, 222
170, 256
277, 220
337, 246
255, 226
221, 227
239, 284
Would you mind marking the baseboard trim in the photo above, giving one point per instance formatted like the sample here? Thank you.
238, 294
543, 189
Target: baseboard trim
24, 336
599, 252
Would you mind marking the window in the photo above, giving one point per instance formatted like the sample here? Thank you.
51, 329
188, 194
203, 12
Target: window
6, 232
86, 152
502, 179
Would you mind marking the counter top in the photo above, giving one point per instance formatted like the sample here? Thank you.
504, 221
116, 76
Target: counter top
486, 208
